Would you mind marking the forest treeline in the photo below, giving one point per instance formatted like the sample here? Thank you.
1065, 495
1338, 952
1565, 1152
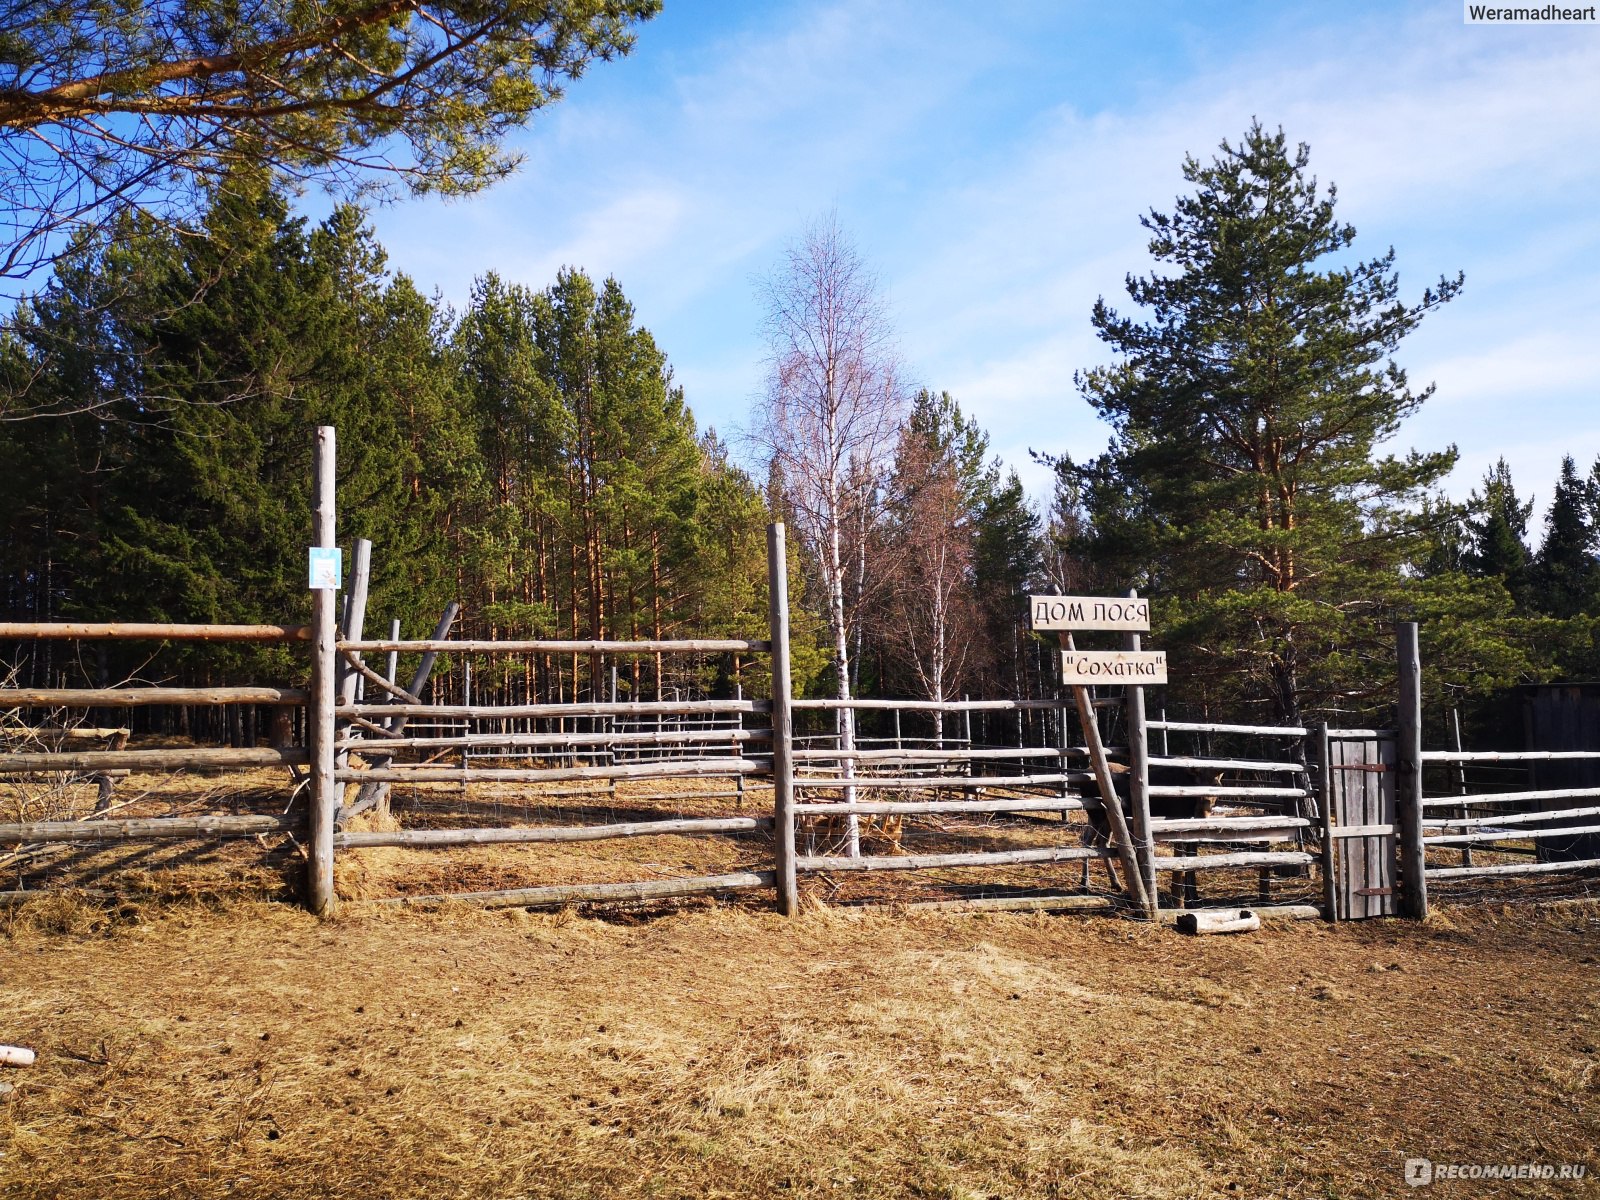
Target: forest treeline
530, 456
533, 457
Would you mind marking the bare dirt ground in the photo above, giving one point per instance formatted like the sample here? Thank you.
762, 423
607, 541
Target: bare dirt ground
200, 1036
248, 1049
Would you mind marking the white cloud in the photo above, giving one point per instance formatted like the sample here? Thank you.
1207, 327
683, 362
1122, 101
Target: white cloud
997, 205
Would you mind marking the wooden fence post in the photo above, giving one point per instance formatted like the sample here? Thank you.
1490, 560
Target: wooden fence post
1330, 899
782, 724
324, 635
1139, 779
1408, 776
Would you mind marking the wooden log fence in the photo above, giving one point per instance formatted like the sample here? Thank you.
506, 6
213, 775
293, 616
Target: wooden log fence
599, 893
891, 807
1498, 756
146, 828
135, 697
951, 782
356, 741
525, 741
1529, 818
125, 631
1536, 868
104, 766
1481, 798
1284, 731
1208, 862
940, 862
910, 756
552, 646
622, 708
1516, 833
1225, 793
681, 768
516, 834
186, 759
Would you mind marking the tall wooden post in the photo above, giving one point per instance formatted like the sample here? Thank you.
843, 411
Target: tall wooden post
393, 668
1139, 780
1408, 776
1461, 784
1330, 898
324, 634
782, 723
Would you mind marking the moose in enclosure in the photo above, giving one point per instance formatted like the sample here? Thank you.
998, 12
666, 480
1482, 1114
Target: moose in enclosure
829, 833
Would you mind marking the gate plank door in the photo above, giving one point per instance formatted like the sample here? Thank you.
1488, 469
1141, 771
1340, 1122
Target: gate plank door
1361, 780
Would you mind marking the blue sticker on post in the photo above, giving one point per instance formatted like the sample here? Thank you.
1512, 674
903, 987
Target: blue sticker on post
327, 568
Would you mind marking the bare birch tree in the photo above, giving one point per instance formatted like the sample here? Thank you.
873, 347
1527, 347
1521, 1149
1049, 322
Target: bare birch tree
828, 421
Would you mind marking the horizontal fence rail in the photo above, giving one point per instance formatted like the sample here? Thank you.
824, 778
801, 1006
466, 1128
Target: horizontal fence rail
1496, 756
132, 631
152, 760
1287, 731
945, 782
430, 774
134, 697
594, 893
1232, 764
891, 807
649, 739
550, 833
1477, 798
936, 862
550, 646
143, 828
941, 705
1528, 818
621, 708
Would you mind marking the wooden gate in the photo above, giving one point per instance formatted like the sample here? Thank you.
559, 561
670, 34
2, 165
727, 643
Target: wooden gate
1361, 812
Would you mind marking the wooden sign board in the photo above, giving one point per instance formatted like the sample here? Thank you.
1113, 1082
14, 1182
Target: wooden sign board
1144, 668
1067, 613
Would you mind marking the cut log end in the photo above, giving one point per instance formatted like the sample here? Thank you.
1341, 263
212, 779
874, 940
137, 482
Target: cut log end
1232, 920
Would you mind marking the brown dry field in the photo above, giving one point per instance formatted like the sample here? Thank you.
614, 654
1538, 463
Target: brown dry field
199, 1036
248, 1049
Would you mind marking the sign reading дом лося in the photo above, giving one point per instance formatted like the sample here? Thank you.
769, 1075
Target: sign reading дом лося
1066, 614
1080, 668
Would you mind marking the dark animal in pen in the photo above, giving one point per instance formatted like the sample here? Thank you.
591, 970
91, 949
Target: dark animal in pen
1185, 887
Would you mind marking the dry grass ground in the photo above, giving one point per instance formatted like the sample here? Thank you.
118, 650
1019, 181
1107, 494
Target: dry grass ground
247, 1049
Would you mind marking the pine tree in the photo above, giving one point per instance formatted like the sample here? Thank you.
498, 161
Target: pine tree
1497, 527
1007, 562
1243, 480
1567, 573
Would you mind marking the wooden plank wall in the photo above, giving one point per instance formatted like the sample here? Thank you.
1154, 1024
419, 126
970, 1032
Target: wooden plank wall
1362, 785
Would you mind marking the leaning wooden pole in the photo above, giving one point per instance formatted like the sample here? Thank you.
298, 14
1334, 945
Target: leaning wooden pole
324, 633
376, 794
1139, 780
782, 724
355, 618
1408, 776
1108, 792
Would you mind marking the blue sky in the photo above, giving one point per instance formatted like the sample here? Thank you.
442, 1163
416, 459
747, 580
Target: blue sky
991, 161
